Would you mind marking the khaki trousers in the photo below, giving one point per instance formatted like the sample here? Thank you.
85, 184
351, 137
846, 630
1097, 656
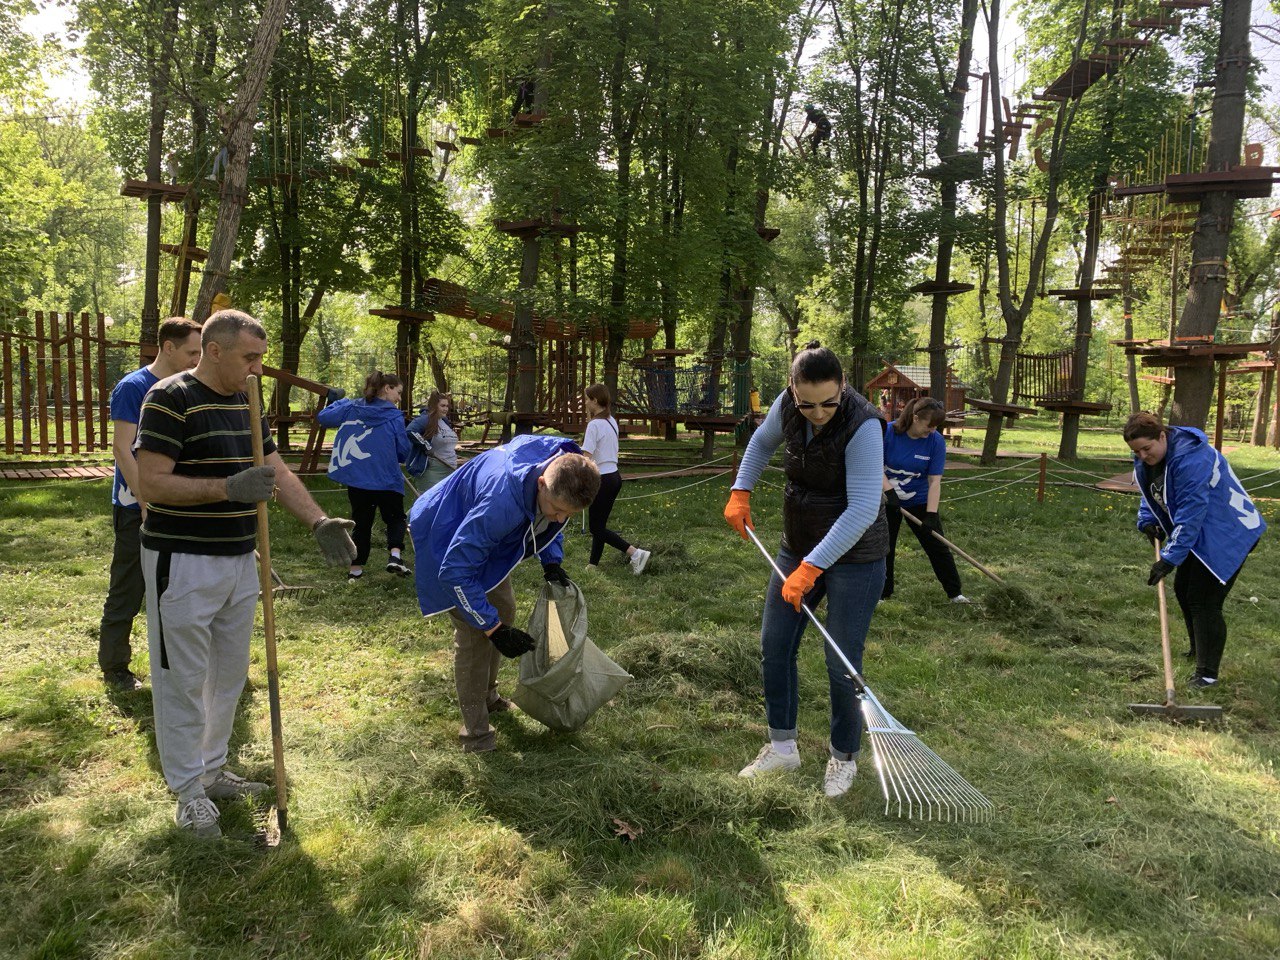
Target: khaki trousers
475, 671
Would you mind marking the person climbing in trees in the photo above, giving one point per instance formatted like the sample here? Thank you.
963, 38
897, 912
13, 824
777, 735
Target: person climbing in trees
914, 457
368, 449
834, 541
821, 127
525, 90
1194, 505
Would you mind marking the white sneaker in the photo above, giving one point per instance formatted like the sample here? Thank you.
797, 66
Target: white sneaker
639, 560
769, 760
960, 598
199, 816
227, 786
839, 776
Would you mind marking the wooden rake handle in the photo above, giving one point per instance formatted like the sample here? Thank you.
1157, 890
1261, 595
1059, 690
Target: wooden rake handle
1164, 635
947, 543
266, 586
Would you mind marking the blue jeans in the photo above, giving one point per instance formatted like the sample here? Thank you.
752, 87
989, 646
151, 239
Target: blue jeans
852, 590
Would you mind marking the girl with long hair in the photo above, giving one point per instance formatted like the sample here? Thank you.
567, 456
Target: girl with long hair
435, 425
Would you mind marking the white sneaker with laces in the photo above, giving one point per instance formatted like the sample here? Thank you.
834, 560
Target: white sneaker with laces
770, 760
960, 598
839, 776
639, 560
227, 786
200, 816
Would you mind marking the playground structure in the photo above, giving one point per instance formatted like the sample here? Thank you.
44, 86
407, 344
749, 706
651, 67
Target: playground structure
904, 382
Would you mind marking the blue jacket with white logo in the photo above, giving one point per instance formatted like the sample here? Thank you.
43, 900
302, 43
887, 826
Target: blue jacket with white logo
1209, 514
370, 444
471, 529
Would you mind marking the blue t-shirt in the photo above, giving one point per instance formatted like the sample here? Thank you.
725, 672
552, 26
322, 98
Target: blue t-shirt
126, 405
909, 463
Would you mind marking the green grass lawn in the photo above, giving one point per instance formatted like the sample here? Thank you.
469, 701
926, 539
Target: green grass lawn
1114, 837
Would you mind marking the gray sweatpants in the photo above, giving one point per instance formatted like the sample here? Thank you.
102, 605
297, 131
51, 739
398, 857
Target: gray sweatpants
199, 623
475, 671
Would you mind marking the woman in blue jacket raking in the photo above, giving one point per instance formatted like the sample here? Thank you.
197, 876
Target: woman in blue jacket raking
368, 449
1195, 505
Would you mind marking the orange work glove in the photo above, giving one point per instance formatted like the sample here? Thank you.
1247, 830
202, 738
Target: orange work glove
800, 582
738, 511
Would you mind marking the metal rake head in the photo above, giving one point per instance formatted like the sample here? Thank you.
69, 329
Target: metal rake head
919, 782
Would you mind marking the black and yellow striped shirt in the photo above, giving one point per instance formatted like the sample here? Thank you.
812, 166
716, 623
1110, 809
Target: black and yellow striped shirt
206, 434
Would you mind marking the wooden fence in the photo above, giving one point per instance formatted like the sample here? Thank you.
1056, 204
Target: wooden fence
55, 383
1041, 377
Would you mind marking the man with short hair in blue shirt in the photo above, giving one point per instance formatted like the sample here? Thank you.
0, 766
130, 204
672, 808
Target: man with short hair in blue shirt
179, 350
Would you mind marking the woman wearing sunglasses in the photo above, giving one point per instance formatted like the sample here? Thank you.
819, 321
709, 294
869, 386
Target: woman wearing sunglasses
834, 543
914, 457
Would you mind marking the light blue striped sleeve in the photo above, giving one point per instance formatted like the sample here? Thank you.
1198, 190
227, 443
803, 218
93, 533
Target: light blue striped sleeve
764, 443
863, 470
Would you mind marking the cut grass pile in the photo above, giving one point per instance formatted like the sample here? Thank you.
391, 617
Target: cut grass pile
1113, 837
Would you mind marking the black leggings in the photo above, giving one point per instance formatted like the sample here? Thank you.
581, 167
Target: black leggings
365, 504
598, 516
944, 565
1201, 597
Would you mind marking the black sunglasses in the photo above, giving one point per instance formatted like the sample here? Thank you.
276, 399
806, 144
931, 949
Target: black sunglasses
806, 406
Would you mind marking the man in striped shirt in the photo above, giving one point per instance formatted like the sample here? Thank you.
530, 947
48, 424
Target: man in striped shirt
196, 475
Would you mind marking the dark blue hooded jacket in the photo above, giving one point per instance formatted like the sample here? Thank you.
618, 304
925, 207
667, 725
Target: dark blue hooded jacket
370, 444
1209, 514
471, 529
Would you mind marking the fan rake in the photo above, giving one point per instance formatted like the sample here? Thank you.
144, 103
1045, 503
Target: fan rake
915, 781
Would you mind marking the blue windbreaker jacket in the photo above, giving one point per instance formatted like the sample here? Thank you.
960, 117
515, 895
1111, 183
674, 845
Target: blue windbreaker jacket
1209, 515
471, 529
370, 444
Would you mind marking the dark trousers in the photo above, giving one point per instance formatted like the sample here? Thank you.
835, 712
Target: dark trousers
944, 565
365, 504
598, 516
124, 595
1201, 597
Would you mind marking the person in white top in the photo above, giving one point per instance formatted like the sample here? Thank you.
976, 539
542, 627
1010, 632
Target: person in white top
435, 426
601, 445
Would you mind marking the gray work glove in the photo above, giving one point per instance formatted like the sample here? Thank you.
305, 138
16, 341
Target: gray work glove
252, 486
334, 536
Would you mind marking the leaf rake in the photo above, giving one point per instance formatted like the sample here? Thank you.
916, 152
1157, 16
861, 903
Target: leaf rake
914, 779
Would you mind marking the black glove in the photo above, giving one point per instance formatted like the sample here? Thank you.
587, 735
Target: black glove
252, 485
931, 521
1154, 532
554, 573
512, 641
891, 499
1159, 570
334, 395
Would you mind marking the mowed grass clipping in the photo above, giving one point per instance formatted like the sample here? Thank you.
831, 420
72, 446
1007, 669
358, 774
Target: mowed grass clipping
1114, 837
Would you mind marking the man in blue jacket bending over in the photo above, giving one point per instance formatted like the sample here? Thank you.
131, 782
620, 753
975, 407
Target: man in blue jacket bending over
469, 532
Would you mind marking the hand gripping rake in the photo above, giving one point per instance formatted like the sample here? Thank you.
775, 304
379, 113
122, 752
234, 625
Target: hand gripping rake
914, 778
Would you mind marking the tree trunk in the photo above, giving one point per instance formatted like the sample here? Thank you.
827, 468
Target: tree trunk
1262, 410
239, 133
1131, 360
158, 66
1207, 281
949, 146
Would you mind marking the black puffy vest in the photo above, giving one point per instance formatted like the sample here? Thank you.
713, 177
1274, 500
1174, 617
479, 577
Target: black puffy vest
815, 493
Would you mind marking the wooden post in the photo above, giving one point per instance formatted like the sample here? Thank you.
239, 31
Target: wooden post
24, 375
1044, 470
9, 405
60, 440
86, 383
1222, 405
42, 414
71, 383
104, 413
